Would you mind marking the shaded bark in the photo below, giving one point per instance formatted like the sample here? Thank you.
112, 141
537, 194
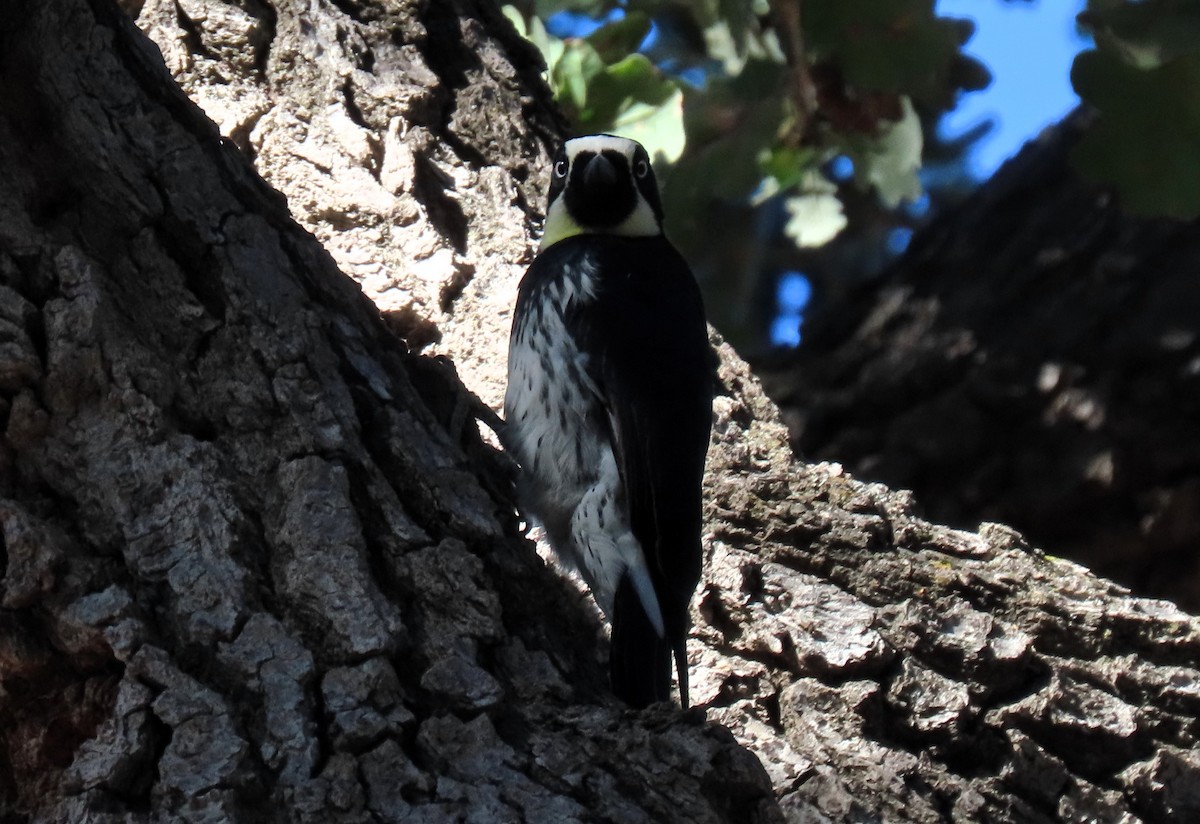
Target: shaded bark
412, 138
250, 575
260, 567
1033, 359
885, 667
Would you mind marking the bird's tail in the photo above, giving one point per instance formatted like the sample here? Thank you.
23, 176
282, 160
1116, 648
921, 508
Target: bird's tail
681, 667
639, 657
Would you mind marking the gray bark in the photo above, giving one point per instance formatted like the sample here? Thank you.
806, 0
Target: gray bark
259, 565
1034, 358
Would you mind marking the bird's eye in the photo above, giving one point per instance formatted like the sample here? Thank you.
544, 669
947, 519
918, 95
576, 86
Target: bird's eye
642, 168
560, 168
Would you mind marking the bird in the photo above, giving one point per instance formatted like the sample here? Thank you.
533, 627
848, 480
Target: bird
608, 406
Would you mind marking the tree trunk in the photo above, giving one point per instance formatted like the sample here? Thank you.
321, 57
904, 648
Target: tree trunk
250, 574
1033, 359
259, 565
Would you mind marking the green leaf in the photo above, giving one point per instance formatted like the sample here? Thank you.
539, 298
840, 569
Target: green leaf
728, 167
1145, 141
652, 111
532, 30
786, 166
898, 46
614, 41
891, 161
637, 76
592, 8
1146, 34
657, 127
573, 74
733, 40
615, 87
631, 98
515, 17
815, 215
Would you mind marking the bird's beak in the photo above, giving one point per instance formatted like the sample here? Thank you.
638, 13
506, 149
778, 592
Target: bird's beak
599, 177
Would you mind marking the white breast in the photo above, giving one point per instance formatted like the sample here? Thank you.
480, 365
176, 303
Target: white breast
549, 402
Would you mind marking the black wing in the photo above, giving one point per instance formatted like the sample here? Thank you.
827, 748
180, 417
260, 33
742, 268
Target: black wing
650, 357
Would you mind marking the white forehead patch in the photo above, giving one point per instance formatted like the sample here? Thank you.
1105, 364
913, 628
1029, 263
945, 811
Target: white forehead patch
598, 143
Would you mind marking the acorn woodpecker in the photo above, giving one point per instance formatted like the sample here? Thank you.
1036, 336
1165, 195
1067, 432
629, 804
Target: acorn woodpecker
609, 405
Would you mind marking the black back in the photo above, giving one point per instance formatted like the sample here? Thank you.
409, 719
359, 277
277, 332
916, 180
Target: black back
648, 353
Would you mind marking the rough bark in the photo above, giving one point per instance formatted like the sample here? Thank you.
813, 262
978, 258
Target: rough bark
259, 566
250, 574
1033, 359
411, 137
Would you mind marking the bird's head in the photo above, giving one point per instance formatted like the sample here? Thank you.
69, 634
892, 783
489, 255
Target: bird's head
602, 184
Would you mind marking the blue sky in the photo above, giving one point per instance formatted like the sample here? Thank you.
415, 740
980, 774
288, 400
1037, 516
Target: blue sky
1028, 46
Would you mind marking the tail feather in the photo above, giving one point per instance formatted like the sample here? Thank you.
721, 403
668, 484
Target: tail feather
639, 657
681, 667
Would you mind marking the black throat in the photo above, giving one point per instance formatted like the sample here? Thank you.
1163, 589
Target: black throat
596, 196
